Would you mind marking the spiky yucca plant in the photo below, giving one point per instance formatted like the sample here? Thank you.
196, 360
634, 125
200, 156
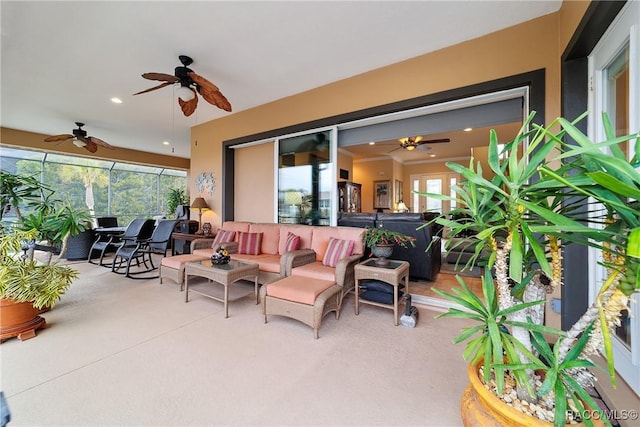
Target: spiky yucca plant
549, 188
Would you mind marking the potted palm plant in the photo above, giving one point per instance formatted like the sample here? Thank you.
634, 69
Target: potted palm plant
543, 195
26, 286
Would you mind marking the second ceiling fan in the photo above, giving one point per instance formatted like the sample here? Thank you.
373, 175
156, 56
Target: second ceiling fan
410, 143
191, 84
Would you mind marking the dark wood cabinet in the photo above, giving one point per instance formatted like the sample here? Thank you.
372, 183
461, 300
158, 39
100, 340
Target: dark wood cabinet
349, 196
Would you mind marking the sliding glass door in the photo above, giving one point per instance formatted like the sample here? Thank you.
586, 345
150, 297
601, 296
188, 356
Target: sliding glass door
306, 178
614, 69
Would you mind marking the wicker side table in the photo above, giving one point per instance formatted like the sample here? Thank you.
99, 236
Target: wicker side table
393, 273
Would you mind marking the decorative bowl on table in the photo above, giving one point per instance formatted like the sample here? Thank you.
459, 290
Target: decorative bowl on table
221, 256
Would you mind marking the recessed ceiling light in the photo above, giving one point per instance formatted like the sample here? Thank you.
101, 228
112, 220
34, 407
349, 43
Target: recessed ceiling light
165, 142
432, 155
116, 100
372, 143
468, 129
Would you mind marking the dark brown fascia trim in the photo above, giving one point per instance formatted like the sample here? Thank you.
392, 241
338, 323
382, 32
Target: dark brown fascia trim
535, 80
597, 18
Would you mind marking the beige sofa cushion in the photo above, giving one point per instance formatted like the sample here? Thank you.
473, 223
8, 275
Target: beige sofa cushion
236, 226
322, 235
304, 231
270, 237
266, 262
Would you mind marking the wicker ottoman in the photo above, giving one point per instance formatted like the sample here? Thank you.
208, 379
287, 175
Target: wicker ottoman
172, 267
301, 298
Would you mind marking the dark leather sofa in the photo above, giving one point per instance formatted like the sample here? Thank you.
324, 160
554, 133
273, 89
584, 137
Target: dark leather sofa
425, 264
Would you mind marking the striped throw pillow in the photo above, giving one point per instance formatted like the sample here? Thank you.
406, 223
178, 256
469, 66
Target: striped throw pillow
336, 250
293, 242
223, 237
249, 243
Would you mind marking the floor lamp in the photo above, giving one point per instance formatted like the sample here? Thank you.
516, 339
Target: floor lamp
199, 203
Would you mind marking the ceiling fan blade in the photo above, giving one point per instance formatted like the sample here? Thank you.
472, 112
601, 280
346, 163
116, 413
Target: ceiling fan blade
201, 81
101, 143
89, 145
188, 107
434, 141
154, 88
210, 92
55, 138
161, 77
397, 148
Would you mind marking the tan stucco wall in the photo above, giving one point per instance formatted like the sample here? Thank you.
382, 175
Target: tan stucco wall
526, 47
21, 139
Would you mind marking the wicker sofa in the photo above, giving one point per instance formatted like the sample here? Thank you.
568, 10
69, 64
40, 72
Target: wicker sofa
276, 263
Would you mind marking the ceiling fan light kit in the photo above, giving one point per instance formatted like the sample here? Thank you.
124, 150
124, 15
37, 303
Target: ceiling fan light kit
191, 84
410, 143
185, 93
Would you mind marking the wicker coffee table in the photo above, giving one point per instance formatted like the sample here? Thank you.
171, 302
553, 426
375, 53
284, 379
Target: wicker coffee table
224, 274
393, 273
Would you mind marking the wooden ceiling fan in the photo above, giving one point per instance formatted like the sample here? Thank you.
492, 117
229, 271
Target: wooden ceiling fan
190, 85
80, 139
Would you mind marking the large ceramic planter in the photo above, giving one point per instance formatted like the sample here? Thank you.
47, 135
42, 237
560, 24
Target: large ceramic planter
383, 252
481, 408
19, 319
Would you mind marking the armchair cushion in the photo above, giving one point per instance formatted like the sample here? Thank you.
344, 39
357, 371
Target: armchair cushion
249, 243
336, 250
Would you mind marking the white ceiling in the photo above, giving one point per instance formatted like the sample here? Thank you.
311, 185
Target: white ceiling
63, 61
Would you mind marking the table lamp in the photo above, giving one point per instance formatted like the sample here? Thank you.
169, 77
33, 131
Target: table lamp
199, 203
402, 207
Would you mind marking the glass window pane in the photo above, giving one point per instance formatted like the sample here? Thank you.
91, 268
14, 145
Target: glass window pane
616, 78
305, 179
434, 186
452, 183
415, 199
136, 190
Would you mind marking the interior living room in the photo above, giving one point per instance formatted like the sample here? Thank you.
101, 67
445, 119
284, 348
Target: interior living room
300, 140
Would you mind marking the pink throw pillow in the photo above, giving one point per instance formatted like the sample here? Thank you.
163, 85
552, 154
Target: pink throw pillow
223, 237
293, 242
336, 250
249, 243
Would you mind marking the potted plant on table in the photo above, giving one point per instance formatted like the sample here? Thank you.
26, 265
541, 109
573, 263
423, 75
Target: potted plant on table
175, 198
26, 286
381, 242
536, 203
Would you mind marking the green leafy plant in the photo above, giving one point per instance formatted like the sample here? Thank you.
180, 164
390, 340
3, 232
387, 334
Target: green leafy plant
54, 220
377, 235
541, 198
23, 279
16, 190
175, 198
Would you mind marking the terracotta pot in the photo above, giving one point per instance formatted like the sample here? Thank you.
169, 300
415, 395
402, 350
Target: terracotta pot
19, 319
481, 408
